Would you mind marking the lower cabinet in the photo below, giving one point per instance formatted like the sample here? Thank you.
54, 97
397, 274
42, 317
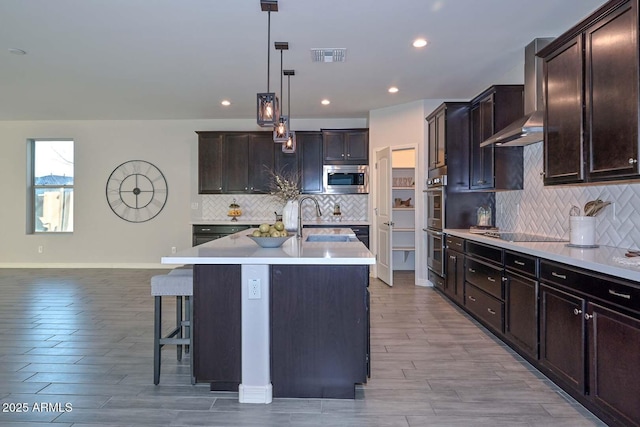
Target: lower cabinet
614, 363
521, 314
562, 345
455, 269
487, 308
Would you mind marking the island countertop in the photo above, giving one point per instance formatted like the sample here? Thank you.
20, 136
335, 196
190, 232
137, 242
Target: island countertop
239, 249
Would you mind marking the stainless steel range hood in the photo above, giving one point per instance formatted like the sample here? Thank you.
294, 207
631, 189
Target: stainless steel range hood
530, 128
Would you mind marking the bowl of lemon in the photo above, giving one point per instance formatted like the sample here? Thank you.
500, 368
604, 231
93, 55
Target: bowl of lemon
270, 235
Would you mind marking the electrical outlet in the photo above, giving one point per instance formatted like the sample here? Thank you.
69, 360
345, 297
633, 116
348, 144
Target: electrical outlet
40, 249
173, 249
254, 289
194, 205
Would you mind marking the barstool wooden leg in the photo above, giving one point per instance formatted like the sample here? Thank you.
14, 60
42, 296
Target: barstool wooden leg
157, 331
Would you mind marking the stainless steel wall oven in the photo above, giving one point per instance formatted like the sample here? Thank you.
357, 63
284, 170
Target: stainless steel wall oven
435, 196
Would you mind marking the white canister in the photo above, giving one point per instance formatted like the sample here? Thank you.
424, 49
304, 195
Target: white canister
582, 230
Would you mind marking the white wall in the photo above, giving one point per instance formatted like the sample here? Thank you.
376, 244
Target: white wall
398, 126
100, 238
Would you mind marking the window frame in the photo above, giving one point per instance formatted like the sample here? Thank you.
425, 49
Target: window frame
32, 187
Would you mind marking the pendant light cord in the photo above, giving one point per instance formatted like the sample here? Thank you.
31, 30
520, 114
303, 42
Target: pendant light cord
268, 46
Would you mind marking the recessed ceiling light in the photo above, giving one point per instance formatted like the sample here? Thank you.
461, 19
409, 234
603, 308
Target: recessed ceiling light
393, 89
325, 102
419, 43
17, 51
225, 102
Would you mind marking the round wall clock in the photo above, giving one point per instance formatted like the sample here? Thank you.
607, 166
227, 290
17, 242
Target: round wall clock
136, 191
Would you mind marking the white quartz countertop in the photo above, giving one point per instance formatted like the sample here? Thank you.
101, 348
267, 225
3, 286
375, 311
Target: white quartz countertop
338, 222
600, 260
239, 249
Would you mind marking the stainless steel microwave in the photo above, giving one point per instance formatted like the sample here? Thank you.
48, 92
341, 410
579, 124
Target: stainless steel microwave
345, 179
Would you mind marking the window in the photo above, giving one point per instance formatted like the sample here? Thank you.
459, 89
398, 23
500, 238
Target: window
50, 186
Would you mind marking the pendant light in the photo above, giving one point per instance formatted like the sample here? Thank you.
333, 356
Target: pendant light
289, 146
268, 112
281, 129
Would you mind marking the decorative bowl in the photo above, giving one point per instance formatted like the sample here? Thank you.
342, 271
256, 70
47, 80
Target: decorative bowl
269, 242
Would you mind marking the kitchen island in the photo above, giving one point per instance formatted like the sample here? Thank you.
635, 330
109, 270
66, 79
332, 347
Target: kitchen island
280, 322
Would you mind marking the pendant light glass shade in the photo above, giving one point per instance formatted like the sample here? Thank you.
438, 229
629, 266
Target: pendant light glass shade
268, 109
290, 145
281, 130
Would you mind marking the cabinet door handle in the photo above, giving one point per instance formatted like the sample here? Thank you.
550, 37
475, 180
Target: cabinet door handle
219, 188
618, 294
458, 244
577, 311
559, 276
491, 311
471, 270
491, 279
505, 279
348, 154
205, 229
481, 181
471, 298
451, 257
632, 161
588, 316
518, 262
342, 155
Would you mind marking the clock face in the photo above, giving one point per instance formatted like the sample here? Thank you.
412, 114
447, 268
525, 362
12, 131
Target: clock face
136, 191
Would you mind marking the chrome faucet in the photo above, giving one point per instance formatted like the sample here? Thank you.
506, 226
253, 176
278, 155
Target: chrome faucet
318, 213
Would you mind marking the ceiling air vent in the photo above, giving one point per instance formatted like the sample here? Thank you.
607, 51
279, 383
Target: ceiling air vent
328, 55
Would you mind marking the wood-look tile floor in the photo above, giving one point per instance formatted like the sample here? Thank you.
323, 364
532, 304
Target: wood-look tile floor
76, 350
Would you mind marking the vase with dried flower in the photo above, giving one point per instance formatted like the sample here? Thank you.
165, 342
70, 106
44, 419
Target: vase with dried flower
284, 186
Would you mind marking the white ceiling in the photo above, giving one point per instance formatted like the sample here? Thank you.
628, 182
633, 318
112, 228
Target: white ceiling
177, 59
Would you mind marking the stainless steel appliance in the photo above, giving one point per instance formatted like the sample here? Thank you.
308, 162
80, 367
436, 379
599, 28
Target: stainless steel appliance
345, 179
435, 195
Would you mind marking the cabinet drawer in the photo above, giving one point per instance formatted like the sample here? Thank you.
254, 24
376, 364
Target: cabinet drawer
438, 282
484, 306
522, 263
489, 253
455, 243
218, 229
484, 276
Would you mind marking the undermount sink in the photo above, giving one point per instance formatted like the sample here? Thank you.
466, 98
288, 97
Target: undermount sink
331, 238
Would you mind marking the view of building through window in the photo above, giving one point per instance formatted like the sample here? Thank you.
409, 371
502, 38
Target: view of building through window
53, 185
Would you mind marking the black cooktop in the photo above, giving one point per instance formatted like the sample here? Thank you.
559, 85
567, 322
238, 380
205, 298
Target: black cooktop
522, 237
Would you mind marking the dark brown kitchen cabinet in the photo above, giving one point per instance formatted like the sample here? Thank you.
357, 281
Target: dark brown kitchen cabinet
310, 161
448, 145
591, 91
491, 111
614, 358
346, 146
454, 285
521, 302
210, 170
562, 337
234, 162
563, 143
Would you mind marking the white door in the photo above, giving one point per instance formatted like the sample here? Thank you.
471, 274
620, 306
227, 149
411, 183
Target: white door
383, 212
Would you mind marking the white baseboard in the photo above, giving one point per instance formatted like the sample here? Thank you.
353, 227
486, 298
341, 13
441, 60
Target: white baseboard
255, 394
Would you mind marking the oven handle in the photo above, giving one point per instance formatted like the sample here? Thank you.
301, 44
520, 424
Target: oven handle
437, 233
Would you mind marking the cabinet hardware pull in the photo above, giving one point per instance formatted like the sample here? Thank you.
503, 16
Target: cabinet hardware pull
560, 276
219, 188
632, 161
505, 279
618, 294
491, 279
588, 316
452, 257
491, 311
471, 270
481, 181
577, 311
342, 154
518, 262
458, 244
471, 298
206, 229
349, 155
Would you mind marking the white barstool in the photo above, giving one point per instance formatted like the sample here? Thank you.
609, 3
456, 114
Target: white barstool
178, 283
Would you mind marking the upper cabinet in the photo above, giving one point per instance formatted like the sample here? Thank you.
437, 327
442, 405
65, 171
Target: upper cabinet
224, 166
491, 111
346, 146
591, 91
449, 144
310, 161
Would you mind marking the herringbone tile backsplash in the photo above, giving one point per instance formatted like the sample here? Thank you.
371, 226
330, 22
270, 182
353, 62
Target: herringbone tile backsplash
545, 210
354, 207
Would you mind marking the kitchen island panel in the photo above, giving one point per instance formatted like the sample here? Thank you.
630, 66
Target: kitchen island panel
318, 330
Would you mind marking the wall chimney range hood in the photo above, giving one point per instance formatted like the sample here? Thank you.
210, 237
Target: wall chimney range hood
530, 128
